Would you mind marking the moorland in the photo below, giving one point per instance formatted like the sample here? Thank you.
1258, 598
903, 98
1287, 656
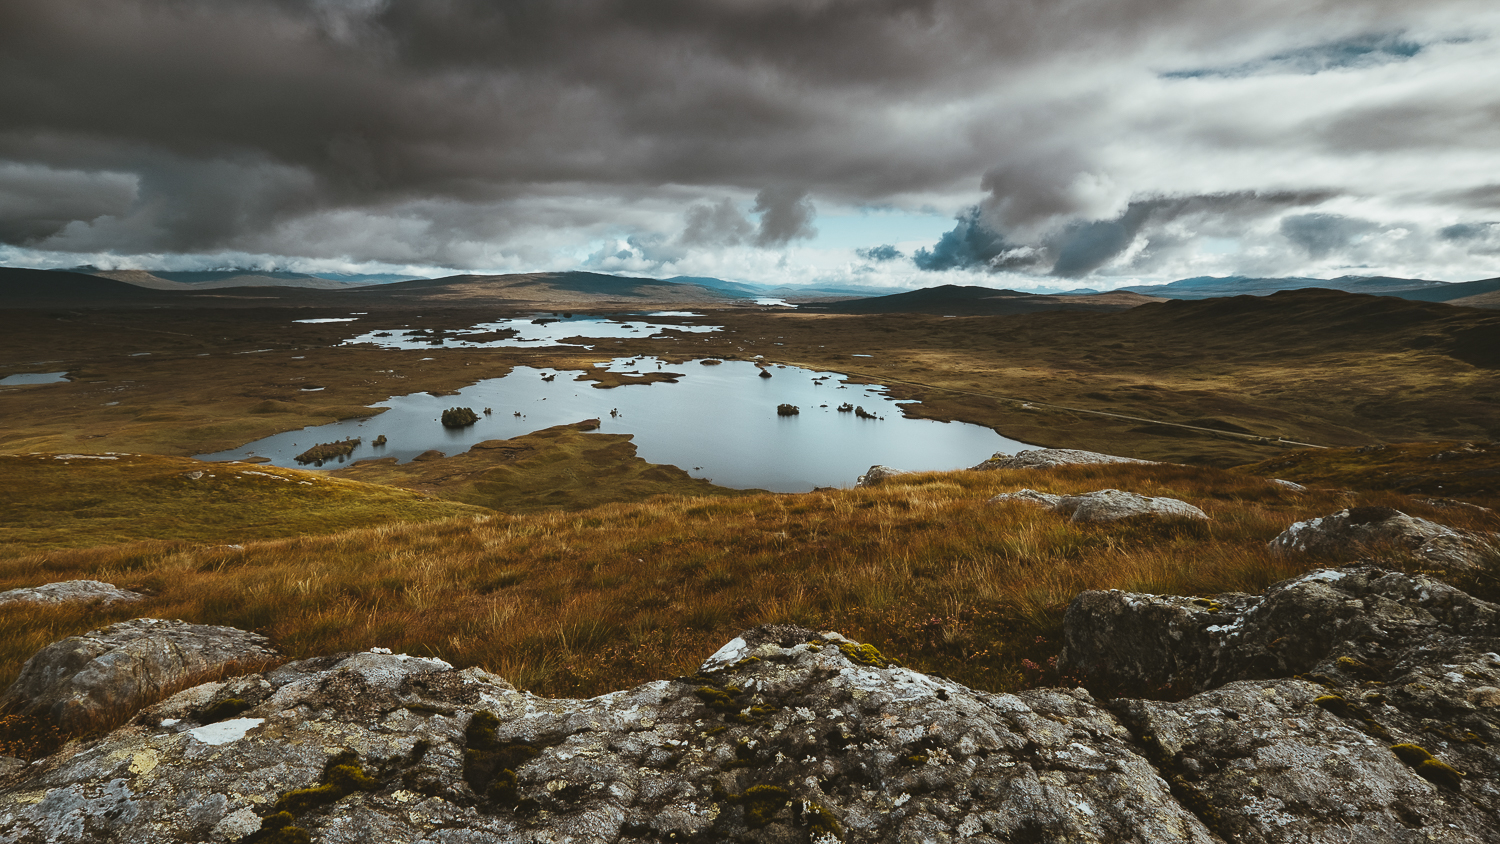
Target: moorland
568, 565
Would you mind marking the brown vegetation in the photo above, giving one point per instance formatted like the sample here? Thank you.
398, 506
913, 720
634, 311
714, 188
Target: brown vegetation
327, 451
583, 602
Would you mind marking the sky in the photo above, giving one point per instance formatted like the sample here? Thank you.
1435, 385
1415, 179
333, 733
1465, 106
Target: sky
1029, 144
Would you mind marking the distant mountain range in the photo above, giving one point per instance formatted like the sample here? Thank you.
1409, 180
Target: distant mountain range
958, 300
54, 288
218, 279
1421, 290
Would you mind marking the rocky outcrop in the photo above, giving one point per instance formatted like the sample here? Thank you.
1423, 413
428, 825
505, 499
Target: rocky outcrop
1346, 705
876, 474
1105, 505
1048, 458
785, 735
1352, 701
94, 678
1351, 533
71, 592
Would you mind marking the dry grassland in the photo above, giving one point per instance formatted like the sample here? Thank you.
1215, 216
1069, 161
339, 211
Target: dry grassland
584, 602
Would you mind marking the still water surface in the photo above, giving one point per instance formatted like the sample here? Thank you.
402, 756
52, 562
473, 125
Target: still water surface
34, 378
717, 422
544, 331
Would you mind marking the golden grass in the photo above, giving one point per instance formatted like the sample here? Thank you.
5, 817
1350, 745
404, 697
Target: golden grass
584, 602
53, 501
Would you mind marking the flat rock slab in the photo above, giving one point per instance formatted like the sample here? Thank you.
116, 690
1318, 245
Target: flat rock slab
105, 673
1351, 533
1105, 505
71, 591
1048, 458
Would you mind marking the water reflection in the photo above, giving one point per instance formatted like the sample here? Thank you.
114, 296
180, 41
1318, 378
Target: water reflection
717, 421
536, 331
34, 378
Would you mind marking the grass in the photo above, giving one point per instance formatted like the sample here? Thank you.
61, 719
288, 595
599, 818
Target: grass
579, 603
1465, 470
49, 501
559, 468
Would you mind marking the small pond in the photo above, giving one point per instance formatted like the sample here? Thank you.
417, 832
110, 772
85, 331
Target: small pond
718, 422
34, 378
532, 331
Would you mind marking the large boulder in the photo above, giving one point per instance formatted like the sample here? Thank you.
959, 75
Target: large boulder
105, 675
70, 592
876, 474
785, 735
1356, 531
1351, 701
1105, 505
1048, 458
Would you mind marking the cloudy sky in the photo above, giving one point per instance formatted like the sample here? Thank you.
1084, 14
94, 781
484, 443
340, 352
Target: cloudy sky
1016, 143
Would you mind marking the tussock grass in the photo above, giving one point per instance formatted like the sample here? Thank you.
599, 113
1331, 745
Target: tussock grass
578, 603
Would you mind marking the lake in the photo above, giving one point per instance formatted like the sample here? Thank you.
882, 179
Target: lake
718, 421
34, 378
530, 331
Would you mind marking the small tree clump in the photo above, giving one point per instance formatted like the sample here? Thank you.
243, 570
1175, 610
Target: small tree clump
459, 417
787, 410
327, 451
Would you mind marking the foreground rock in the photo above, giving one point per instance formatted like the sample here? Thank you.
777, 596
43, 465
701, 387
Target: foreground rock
1105, 505
103, 674
71, 592
1048, 458
786, 735
1347, 705
1353, 532
1352, 702
876, 474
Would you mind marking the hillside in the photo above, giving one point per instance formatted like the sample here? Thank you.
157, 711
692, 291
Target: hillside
1418, 290
564, 289
971, 301
52, 501
22, 288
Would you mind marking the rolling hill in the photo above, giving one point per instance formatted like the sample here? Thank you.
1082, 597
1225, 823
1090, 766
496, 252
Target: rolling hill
958, 300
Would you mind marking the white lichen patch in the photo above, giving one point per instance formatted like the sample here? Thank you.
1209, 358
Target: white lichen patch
225, 732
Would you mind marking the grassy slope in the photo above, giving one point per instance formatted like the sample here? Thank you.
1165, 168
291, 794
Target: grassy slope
1320, 367
1466, 471
583, 602
51, 501
562, 467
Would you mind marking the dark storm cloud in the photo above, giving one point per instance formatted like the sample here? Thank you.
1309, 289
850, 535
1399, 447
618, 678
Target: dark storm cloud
719, 224
1079, 247
1323, 234
972, 244
449, 130
786, 214
880, 254
1467, 231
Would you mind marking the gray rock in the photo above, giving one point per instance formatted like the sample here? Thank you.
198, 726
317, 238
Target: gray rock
109, 673
1306, 701
785, 735
1291, 485
9, 765
1028, 496
1351, 533
1105, 505
1047, 458
876, 474
70, 591
1110, 505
